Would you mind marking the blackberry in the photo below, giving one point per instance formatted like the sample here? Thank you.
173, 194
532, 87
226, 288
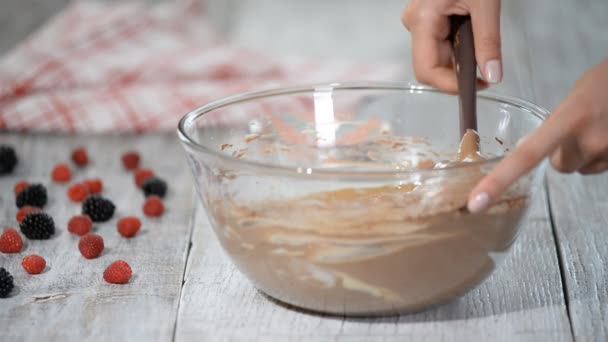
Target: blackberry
6, 283
98, 208
37, 226
33, 195
8, 159
154, 186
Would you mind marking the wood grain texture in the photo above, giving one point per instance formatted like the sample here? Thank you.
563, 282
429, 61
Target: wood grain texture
562, 52
70, 300
19, 18
580, 214
353, 29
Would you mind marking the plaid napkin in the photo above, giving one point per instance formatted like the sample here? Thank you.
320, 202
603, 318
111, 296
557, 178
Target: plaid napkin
127, 67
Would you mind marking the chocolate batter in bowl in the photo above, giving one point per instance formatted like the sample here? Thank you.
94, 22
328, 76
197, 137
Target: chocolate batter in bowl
350, 199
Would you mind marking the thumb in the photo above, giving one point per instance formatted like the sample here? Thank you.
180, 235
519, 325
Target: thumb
485, 19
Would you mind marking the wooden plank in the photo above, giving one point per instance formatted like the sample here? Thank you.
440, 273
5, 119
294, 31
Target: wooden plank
70, 300
578, 204
19, 18
522, 301
317, 28
580, 213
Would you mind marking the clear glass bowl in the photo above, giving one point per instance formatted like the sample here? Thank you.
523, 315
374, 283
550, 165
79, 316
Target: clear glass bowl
343, 198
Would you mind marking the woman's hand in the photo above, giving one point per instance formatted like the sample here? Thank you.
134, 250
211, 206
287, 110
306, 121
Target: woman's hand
575, 136
427, 20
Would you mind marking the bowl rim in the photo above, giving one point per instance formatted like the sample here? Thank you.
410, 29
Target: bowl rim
537, 111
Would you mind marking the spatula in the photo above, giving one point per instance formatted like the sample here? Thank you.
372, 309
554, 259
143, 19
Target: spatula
461, 36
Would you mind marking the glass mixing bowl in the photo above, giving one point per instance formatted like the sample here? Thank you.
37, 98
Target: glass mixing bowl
345, 198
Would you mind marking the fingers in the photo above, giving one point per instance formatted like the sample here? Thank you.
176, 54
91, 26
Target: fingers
485, 18
432, 56
430, 66
568, 157
432, 59
585, 151
597, 166
575, 135
524, 158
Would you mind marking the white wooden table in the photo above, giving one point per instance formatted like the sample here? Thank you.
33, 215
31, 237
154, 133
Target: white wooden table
552, 287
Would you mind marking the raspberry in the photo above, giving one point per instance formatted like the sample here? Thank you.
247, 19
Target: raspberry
20, 186
33, 264
61, 173
80, 224
37, 226
78, 192
130, 160
80, 156
10, 241
6, 283
95, 185
90, 245
24, 211
33, 195
141, 175
154, 186
128, 226
8, 159
119, 272
98, 208
153, 206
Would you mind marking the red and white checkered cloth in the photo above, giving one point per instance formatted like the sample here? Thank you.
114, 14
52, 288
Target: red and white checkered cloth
131, 68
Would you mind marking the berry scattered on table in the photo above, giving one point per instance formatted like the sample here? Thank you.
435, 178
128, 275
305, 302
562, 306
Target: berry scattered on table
10, 241
80, 157
33, 195
33, 264
20, 186
24, 211
130, 160
90, 245
141, 175
37, 226
61, 173
153, 206
119, 272
154, 186
80, 224
78, 192
6, 283
98, 208
128, 226
8, 159
95, 185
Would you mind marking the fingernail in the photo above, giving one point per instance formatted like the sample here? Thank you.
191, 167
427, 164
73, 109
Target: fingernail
479, 202
493, 72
